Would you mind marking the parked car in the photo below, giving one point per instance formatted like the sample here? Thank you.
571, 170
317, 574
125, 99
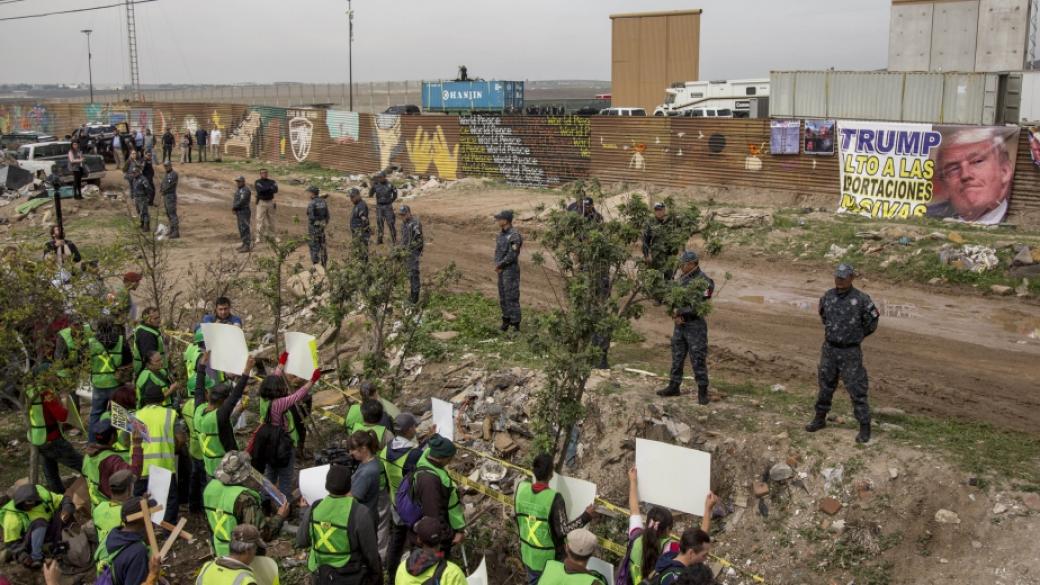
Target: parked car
42, 155
15, 139
406, 110
708, 113
622, 112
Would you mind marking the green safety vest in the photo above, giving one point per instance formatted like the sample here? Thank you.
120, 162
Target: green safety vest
49, 502
533, 521
104, 363
452, 575
122, 444
556, 574
635, 559
209, 439
72, 355
379, 430
393, 471
161, 379
92, 471
219, 501
214, 574
37, 433
161, 346
107, 517
330, 542
188, 411
191, 358
456, 518
161, 445
290, 422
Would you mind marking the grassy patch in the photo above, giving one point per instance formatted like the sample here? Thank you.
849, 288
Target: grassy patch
476, 318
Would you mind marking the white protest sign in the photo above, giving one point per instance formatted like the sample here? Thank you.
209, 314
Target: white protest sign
303, 354
444, 418
673, 477
120, 418
312, 483
227, 347
603, 568
480, 576
577, 494
159, 479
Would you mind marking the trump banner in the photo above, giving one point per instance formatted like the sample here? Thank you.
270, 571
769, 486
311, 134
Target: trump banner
902, 171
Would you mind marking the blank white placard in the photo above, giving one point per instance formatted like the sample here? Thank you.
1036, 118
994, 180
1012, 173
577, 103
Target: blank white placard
303, 354
227, 347
444, 418
577, 494
312, 483
480, 576
603, 568
674, 477
159, 479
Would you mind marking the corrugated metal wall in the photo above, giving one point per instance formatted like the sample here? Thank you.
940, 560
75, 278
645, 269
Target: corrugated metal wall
522, 150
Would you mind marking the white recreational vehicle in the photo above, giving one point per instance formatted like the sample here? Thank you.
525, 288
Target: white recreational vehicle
722, 99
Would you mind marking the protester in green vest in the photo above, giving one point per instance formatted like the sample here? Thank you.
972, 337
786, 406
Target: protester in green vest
373, 419
107, 514
165, 436
229, 502
541, 518
69, 354
101, 462
436, 492
213, 409
426, 563
110, 361
340, 535
126, 550
399, 459
155, 374
233, 568
574, 570
647, 540
147, 339
370, 391
33, 518
47, 417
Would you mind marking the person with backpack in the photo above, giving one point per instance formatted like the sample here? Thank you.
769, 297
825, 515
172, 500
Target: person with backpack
212, 415
427, 562
107, 514
694, 547
126, 557
368, 484
344, 549
698, 574
101, 461
399, 459
574, 569
274, 444
33, 518
434, 492
229, 502
647, 540
541, 519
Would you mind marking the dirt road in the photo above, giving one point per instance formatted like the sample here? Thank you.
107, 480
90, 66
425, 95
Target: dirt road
939, 353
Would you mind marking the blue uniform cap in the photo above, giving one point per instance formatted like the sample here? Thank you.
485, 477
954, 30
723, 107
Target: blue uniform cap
404, 210
690, 256
659, 205
506, 214
312, 189
844, 271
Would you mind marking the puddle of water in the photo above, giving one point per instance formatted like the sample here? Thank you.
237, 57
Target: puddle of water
1018, 323
757, 299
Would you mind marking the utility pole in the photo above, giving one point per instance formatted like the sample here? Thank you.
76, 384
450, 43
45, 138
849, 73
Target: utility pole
350, 52
90, 70
131, 33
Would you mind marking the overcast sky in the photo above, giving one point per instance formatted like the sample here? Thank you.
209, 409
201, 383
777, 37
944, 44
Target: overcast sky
222, 41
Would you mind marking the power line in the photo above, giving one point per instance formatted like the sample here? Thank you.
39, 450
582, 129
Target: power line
75, 10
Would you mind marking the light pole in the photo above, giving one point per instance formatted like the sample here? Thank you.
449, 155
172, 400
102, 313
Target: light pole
350, 52
90, 70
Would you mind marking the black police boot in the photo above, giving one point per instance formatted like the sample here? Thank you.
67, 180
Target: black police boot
864, 433
516, 326
505, 326
672, 389
702, 395
818, 422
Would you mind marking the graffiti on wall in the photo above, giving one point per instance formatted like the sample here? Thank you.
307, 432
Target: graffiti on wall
301, 133
430, 153
243, 139
494, 150
577, 128
388, 137
36, 118
344, 127
141, 118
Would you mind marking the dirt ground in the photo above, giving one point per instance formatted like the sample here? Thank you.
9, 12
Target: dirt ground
938, 352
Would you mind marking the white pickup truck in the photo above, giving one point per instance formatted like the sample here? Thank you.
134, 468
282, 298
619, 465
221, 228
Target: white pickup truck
40, 156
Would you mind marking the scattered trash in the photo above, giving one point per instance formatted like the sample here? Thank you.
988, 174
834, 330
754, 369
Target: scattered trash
837, 252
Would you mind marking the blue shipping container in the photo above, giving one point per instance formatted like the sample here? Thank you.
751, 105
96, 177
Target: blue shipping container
473, 96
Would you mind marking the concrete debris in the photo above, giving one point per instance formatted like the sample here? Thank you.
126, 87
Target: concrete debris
740, 218
999, 509
760, 489
1024, 257
832, 476
893, 473
1032, 501
830, 506
778, 388
444, 335
504, 444
944, 516
972, 258
837, 252
891, 428
1001, 290
889, 411
781, 472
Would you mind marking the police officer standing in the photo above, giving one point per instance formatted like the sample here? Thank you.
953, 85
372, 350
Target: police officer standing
139, 189
240, 206
317, 219
848, 317
658, 247
385, 194
412, 243
360, 229
507, 265
690, 335
168, 188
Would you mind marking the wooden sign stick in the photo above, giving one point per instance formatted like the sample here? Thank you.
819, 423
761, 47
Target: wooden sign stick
172, 538
152, 543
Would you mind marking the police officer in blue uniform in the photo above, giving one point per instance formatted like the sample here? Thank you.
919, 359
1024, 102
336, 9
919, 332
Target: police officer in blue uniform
690, 336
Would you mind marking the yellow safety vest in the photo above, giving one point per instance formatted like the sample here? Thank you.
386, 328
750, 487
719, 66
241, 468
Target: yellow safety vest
160, 448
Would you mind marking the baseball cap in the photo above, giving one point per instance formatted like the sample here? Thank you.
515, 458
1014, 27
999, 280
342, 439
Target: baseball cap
588, 201
102, 426
690, 256
659, 205
404, 210
844, 271
506, 214
121, 481
248, 534
405, 421
312, 189
354, 191
431, 531
581, 542
234, 469
240, 178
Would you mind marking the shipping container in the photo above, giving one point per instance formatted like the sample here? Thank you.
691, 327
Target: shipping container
473, 96
934, 98
1029, 108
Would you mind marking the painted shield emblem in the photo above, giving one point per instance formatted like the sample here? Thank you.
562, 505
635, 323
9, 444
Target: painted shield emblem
301, 132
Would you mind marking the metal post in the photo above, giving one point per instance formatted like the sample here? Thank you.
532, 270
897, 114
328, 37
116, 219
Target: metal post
350, 51
90, 70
